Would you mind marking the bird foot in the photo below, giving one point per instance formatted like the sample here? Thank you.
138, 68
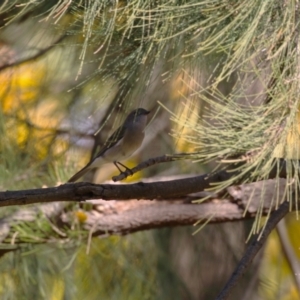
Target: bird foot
116, 163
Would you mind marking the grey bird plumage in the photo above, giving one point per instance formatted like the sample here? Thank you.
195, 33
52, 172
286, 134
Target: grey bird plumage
121, 144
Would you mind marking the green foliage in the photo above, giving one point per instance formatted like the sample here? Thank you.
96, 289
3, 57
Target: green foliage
237, 62
52, 272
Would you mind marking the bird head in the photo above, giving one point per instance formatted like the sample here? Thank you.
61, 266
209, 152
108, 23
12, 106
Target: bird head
137, 113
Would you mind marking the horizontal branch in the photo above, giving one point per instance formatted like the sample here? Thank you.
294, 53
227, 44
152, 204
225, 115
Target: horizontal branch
102, 218
242, 202
122, 217
134, 216
87, 191
160, 190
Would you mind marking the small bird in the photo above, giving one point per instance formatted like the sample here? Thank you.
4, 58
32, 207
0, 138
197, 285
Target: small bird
121, 144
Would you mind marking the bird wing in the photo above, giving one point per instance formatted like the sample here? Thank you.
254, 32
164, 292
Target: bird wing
80, 173
111, 141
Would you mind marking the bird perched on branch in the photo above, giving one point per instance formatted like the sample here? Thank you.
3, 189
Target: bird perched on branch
121, 144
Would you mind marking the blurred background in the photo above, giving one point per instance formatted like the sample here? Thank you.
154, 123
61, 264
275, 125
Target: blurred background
69, 73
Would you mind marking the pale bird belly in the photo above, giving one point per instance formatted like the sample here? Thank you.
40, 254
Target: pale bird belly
98, 162
125, 148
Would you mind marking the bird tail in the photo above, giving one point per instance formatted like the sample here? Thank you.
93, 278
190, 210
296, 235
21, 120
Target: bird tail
79, 174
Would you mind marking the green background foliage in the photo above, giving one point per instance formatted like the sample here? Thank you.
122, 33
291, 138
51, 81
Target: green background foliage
222, 77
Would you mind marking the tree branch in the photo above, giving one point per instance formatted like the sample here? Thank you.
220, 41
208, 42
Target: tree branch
132, 216
102, 218
161, 190
148, 163
86, 191
277, 171
252, 250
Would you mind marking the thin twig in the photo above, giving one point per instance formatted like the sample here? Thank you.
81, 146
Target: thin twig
150, 162
279, 171
253, 249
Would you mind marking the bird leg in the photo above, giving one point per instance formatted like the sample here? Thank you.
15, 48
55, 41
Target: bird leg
116, 163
